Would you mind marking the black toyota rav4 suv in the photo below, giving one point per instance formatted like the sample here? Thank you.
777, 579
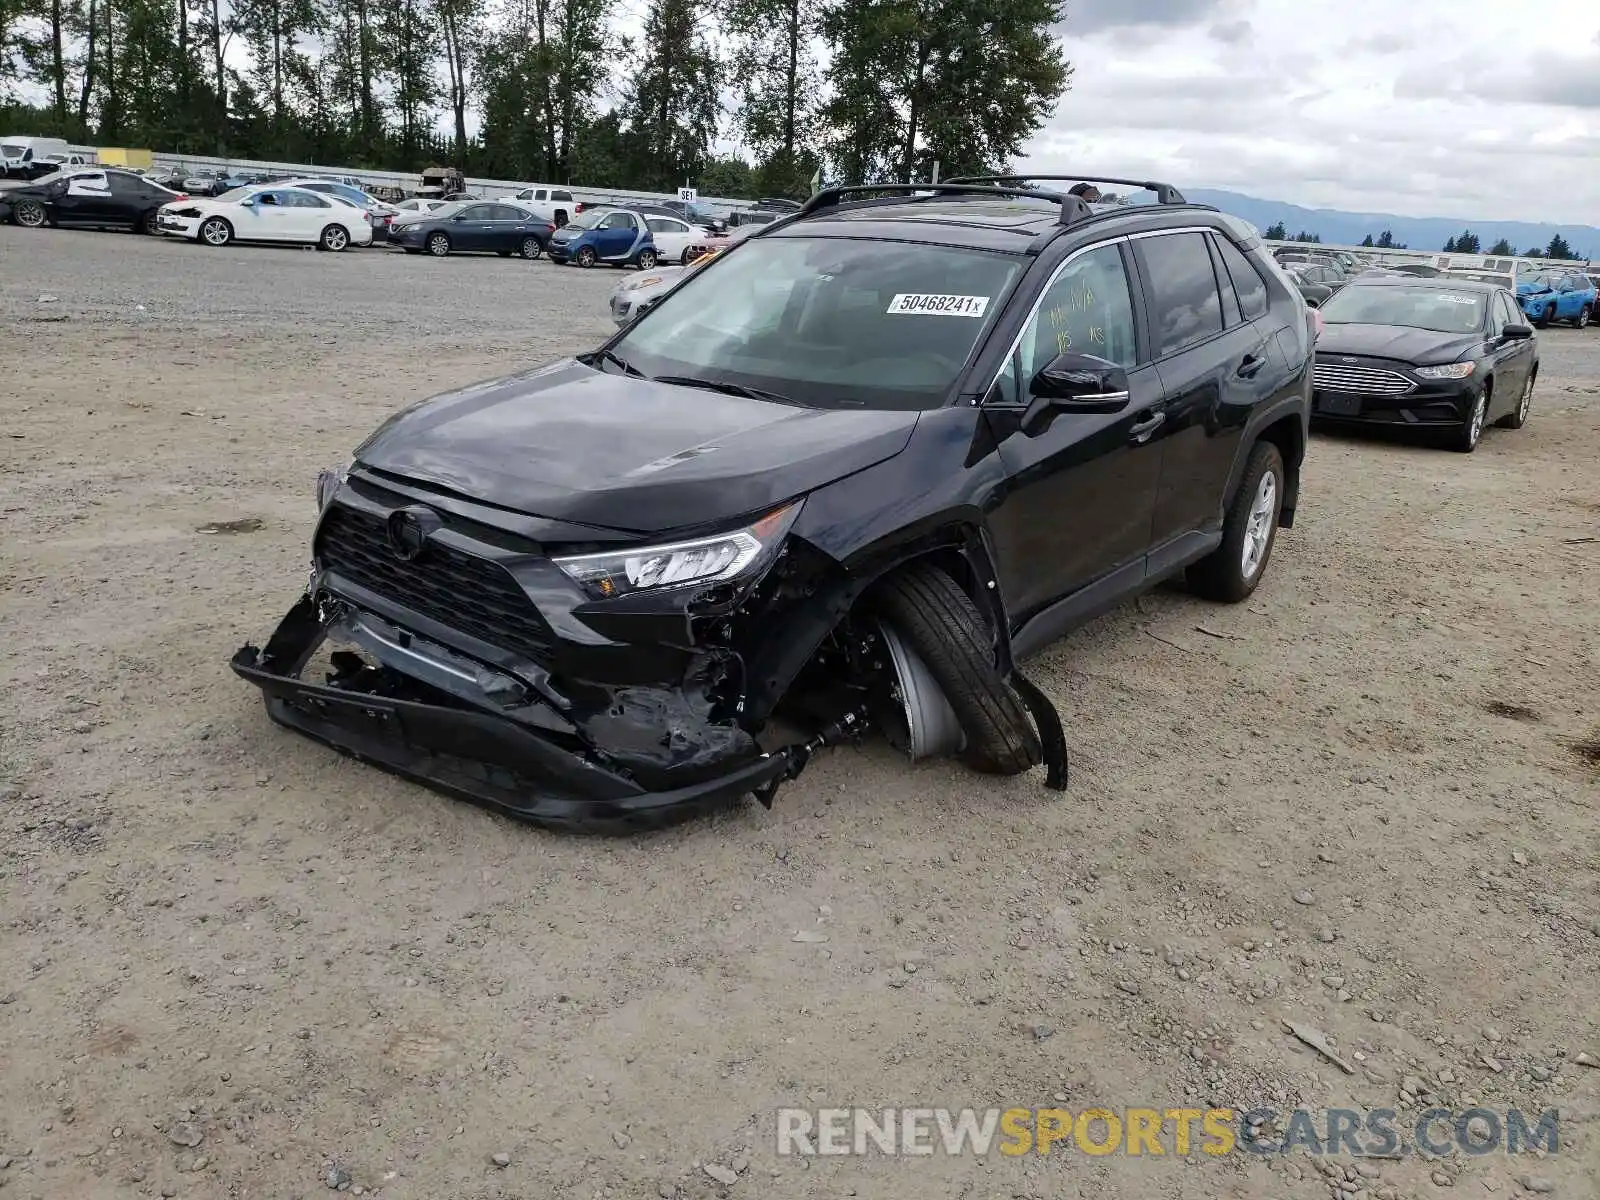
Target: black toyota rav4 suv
846, 476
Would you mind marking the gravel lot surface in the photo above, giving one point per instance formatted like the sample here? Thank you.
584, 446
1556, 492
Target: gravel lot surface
234, 964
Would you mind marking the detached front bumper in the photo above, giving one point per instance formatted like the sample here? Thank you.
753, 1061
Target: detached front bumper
479, 756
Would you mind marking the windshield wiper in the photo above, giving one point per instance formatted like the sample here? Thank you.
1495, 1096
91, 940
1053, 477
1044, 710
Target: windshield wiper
727, 389
627, 368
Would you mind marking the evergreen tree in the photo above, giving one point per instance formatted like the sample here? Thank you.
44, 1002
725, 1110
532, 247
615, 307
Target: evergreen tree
671, 104
957, 82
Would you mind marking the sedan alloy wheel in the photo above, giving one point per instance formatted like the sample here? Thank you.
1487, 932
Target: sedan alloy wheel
29, 213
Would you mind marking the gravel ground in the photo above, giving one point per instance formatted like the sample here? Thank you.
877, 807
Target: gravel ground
238, 965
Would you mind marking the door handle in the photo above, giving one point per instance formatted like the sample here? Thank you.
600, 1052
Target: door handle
1139, 432
1251, 365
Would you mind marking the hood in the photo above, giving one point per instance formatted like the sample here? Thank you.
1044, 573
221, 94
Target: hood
1399, 342
568, 442
1532, 289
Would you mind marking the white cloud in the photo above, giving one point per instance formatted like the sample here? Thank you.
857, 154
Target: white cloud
1476, 108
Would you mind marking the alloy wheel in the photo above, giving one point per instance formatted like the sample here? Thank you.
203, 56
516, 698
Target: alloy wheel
30, 213
1475, 426
1258, 526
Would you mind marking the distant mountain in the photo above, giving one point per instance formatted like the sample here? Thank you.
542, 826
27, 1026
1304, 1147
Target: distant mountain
1419, 233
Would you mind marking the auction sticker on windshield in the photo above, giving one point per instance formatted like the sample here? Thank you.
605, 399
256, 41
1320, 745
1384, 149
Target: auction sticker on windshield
938, 306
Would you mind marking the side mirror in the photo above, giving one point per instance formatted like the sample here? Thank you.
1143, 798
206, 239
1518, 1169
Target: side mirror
1517, 333
459, 217
1074, 383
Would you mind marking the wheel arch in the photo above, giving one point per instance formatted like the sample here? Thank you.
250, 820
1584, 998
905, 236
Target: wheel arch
959, 548
1285, 427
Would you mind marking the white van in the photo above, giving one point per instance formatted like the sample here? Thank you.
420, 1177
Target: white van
31, 157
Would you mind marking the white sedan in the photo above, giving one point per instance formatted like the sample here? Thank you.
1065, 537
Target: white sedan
673, 237
268, 213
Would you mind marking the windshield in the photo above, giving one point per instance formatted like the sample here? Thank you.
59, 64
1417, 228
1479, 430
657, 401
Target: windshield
588, 220
11, 151
829, 322
1537, 282
1421, 307
234, 195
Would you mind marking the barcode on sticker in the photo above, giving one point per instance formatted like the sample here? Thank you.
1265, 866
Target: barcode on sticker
938, 306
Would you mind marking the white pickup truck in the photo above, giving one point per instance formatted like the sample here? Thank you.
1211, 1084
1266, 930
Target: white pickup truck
552, 203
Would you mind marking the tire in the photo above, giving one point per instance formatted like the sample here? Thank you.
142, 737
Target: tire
1465, 440
439, 245
647, 259
530, 248
585, 257
944, 627
1581, 321
148, 224
683, 259
214, 231
333, 238
1543, 319
1519, 418
29, 214
1229, 573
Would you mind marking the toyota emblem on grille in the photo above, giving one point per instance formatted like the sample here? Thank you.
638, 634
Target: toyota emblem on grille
409, 530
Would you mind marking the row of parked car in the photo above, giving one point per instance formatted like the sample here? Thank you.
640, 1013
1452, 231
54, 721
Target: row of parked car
1544, 296
334, 214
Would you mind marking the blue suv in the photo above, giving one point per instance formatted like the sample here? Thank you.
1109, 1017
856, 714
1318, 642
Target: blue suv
1557, 296
608, 235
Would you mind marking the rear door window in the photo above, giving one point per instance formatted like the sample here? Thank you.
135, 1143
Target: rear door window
1185, 306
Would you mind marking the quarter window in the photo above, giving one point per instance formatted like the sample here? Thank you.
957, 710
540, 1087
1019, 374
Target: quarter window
1086, 310
1185, 305
1247, 284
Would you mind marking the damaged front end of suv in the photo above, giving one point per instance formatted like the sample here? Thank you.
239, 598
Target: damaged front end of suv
580, 669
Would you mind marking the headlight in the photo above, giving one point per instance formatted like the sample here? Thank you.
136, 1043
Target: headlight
1458, 370
716, 559
633, 285
329, 482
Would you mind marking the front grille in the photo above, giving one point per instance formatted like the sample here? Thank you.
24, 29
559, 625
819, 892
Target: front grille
1360, 381
460, 591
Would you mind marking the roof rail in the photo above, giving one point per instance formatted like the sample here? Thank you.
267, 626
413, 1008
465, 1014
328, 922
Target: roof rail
1165, 192
1073, 209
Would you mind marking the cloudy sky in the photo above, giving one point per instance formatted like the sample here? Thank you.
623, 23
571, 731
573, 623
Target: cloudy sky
1485, 109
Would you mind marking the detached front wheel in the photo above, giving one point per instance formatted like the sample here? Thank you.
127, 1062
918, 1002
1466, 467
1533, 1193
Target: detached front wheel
951, 697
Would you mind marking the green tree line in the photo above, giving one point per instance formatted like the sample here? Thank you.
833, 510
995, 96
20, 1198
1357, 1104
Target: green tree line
869, 91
